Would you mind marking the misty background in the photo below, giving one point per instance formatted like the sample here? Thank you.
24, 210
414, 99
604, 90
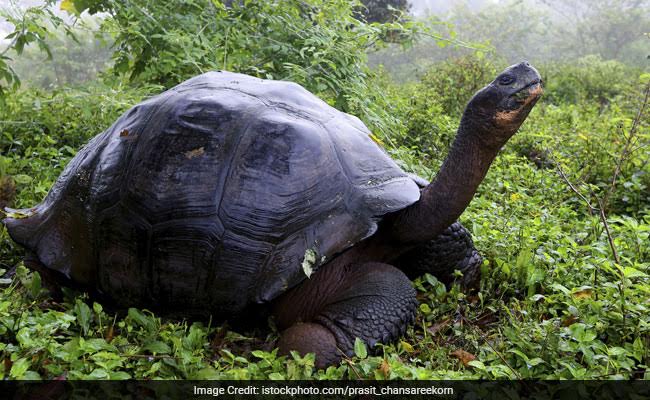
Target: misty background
507, 30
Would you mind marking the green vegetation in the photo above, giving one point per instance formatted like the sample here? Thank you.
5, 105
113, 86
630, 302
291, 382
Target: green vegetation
562, 219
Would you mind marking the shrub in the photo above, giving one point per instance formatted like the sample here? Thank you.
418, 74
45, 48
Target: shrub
588, 79
41, 131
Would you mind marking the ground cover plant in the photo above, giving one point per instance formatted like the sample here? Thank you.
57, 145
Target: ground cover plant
562, 218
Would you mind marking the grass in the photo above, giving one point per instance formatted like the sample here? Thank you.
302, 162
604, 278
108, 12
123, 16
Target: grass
554, 302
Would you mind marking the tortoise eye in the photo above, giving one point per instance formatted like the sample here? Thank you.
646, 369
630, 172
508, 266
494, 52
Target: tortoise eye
506, 79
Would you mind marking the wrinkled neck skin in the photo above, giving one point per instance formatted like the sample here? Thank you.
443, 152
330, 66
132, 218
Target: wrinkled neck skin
444, 200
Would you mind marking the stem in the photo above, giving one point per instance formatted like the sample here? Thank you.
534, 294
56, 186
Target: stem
627, 147
481, 335
603, 219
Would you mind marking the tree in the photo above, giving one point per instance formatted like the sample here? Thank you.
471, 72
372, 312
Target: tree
73, 61
603, 27
31, 26
320, 44
384, 10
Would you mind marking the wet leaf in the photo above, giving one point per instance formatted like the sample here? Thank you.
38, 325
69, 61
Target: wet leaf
406, 346
23, 179
584, 293
377, 140
35, 287
464, 356
68, 6
384, 368
630, 272
157, 347
19, 368
569, 320
308, 262
110, 334
438, 326
83, 313
360, 349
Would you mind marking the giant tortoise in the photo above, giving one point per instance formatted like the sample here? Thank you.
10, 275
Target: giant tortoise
228, 191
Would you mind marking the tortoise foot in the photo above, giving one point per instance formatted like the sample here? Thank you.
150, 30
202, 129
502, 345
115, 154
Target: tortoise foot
374, 302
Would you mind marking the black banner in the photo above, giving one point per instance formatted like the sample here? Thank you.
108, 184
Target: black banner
186, 390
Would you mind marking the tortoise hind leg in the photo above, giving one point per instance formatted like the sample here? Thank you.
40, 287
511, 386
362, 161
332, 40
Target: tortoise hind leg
452, 250
325, 314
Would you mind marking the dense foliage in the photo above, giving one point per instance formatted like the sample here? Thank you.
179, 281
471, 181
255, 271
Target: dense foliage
383, 10
562, 219
319, 44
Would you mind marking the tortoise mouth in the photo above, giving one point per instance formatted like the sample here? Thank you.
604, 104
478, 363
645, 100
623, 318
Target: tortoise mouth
520, 103
528, 93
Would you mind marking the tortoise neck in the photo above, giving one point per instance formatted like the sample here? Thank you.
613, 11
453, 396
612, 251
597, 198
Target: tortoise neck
444, 200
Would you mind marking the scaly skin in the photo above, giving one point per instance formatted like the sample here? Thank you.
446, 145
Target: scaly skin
374, 302
452, 250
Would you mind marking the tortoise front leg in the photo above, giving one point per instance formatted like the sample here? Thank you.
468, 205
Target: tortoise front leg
452, 250
374, 302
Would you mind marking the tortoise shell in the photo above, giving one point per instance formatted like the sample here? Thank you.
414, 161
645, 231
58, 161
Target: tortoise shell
223, 191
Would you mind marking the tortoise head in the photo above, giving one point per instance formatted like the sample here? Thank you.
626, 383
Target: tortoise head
492, 116
502, 106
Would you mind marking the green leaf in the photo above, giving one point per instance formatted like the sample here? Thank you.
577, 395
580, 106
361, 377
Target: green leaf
22, 179
477, 364
19, 368
308, 262
630, 272
519, 353
560, 288
360, 349
207, 374
83, 313
142, 320
68, 6
644, 78
31, 376
425, 309
95, 344
98, 373
195, 338
24, 337
119, 375
259, 354
35, 287
582, 333
157, 347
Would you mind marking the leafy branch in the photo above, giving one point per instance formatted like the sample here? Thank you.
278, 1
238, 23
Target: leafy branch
631, 140
31, 26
